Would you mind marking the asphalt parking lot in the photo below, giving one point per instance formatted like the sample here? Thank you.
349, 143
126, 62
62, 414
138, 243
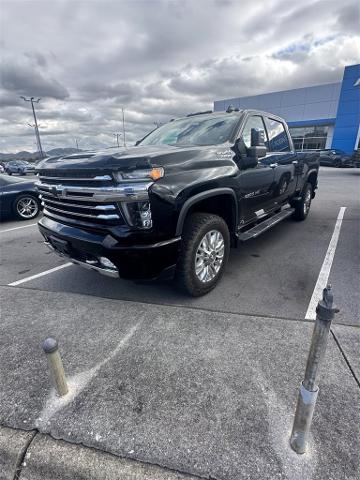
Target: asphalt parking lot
203, 386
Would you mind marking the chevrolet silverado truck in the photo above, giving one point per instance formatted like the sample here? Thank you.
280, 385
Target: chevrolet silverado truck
176, 202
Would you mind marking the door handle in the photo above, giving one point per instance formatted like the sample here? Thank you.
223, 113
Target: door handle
295, 162
273, 165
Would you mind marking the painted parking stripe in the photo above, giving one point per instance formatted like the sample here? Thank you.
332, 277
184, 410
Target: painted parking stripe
326, 267
17, 228
38, 275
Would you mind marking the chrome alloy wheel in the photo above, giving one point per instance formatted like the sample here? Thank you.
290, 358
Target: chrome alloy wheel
307, 201
209, 256
27, 207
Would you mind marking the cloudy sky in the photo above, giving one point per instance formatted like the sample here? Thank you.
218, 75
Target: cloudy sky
158, 59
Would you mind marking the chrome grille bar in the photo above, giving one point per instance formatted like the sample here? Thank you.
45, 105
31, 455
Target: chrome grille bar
112, 216
74, 205
98, 178
129, 192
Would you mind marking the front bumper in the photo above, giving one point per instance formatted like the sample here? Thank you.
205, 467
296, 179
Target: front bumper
145, 261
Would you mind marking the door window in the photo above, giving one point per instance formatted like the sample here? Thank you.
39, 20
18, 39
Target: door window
252, 122
278, 138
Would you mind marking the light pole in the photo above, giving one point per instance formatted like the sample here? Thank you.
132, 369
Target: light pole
37, 142
37, 134
117, 135
123, 122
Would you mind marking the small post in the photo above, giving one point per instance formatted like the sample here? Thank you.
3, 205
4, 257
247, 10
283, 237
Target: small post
308, 390
51, 349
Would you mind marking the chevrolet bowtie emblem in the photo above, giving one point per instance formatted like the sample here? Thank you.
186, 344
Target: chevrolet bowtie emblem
57, 191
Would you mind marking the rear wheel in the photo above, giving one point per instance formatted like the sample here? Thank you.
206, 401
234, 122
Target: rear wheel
26, 207
204, 253
302, 207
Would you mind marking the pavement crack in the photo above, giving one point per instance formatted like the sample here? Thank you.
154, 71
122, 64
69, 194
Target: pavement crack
21, 462
345, 358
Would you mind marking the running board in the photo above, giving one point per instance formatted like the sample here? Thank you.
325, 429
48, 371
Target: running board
264, 225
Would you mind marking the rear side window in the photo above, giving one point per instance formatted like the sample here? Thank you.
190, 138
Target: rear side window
278, 139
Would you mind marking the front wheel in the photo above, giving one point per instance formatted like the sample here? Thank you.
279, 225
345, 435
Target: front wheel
26, 207
302, 207
204, 253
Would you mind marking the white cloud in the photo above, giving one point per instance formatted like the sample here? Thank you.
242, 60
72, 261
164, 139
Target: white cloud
158, 59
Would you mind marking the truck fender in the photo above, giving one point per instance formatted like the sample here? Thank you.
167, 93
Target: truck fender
202, 196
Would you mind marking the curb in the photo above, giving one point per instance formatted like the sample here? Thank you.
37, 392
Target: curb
13, 446
35, 456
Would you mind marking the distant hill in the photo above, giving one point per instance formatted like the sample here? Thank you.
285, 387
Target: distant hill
32, 156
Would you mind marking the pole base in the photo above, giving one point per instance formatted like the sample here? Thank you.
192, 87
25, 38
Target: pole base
302, 421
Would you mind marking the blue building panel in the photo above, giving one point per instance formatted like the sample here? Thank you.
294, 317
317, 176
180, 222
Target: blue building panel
348, 114
330, 104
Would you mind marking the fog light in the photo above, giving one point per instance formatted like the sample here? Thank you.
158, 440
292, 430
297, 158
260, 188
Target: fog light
145, 214
138, 214
105, 262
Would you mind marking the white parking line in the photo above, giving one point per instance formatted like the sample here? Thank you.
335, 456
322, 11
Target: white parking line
17, 228
326, 267
38, 275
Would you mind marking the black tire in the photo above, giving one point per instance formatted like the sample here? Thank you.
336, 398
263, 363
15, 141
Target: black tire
21, 200
302, 207
8, 172
196, 227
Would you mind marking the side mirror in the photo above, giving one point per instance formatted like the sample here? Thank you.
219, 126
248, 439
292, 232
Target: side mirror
257, 149
257, 137
137, 142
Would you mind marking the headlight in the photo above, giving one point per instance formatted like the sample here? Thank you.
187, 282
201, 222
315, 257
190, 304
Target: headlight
138, 214
151, 173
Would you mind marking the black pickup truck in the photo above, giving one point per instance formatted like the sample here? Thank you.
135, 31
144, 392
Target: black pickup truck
176, 202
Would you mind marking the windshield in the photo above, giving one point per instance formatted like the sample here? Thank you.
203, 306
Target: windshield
194, 131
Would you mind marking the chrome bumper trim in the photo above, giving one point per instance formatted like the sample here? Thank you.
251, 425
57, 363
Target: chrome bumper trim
103, 270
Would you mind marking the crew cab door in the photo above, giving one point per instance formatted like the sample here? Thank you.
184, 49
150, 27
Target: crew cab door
255, 183
282, 158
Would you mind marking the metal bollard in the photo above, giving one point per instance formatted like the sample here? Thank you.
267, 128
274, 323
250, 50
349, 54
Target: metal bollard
308, 391
51, 348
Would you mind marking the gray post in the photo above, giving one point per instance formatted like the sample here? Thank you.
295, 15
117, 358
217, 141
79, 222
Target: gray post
308, 390
51, 348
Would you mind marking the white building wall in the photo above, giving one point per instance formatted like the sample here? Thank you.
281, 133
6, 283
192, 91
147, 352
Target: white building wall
329, 137
300, 104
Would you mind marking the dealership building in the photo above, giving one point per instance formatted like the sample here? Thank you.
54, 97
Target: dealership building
322, 116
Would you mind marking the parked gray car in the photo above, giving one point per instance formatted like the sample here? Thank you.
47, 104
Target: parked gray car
335, 158
19, 166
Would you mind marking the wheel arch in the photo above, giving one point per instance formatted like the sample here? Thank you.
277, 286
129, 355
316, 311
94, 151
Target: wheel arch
312, 178
220, 199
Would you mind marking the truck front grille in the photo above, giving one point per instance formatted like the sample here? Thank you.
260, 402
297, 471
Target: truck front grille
88, 199
73, 198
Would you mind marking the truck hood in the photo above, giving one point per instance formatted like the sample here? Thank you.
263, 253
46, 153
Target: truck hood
128, 158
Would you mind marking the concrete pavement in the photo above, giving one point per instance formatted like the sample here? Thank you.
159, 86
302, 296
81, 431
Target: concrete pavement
205, 387
196, 392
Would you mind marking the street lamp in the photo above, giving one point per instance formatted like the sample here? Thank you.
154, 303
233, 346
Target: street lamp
123, 125
117, 135
37, 134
